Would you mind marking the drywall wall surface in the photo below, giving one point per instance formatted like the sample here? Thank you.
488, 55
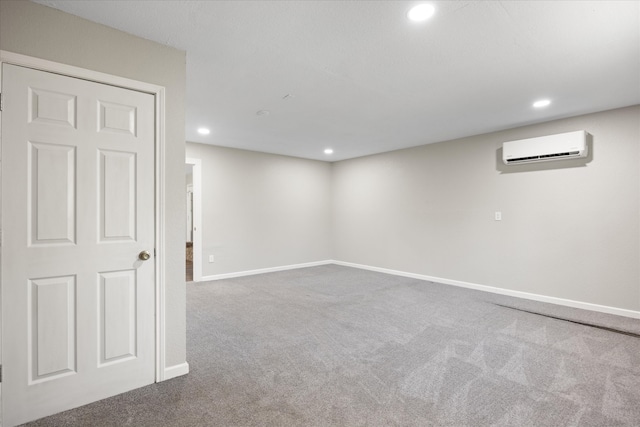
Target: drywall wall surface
31, 29
262, 210
569, 229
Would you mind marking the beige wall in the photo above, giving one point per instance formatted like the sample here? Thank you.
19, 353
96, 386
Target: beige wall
39, 31
567, 232
262, 210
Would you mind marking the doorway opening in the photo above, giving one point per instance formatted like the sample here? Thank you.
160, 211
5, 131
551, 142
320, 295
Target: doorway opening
193, 240
189, 229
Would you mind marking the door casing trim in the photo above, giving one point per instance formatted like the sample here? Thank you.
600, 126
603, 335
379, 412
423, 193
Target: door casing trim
159, 148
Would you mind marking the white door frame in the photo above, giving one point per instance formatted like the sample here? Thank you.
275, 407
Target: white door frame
160, 212
197, 217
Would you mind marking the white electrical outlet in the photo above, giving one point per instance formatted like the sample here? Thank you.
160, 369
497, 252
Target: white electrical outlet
498, 216
210, 258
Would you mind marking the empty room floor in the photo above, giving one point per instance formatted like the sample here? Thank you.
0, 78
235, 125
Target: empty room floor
338, 346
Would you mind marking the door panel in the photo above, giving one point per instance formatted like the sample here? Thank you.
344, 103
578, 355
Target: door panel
117, 198
78, 208
117, 118
52, 326
117, 313
51, 179
49, 107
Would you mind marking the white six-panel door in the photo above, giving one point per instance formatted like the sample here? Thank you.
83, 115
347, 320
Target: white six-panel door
78, 210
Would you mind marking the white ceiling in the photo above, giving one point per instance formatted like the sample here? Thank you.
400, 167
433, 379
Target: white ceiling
362, 79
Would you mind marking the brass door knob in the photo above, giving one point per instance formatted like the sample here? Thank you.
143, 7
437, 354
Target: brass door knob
144, 255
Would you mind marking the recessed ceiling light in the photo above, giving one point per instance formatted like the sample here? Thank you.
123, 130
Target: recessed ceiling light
204, 131
542, 103
328, 151
421, 12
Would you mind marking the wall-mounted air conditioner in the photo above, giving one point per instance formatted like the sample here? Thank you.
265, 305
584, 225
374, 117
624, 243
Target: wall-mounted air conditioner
568, 145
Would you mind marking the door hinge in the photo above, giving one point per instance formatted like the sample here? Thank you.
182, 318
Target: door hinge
0, 373
1, 102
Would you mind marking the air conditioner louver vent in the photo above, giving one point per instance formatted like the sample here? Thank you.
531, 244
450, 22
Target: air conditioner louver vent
544, 157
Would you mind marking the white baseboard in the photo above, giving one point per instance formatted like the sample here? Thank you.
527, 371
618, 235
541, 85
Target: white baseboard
265, 270
519, 294
176, 371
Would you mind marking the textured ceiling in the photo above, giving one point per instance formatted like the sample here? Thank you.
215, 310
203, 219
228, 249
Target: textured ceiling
362, 79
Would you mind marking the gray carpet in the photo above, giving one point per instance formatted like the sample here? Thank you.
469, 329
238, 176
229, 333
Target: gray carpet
337, 346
